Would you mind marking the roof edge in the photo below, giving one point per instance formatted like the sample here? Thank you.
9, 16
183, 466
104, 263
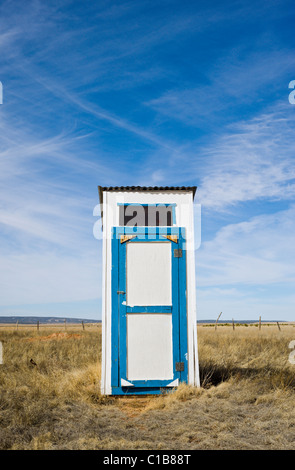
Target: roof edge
193, 189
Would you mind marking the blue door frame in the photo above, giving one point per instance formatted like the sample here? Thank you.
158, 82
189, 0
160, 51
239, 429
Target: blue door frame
120, 309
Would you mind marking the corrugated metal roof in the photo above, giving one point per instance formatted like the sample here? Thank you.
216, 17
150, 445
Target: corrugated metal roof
145, 188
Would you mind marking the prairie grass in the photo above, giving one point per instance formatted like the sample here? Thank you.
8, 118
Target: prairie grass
50, 394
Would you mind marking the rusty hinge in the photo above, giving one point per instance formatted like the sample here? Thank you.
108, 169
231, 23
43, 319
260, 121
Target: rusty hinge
177, 253
125, 238
173, 238
179, 366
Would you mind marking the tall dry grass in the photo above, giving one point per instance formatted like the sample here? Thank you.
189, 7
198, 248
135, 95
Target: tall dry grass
247, 352
246, 400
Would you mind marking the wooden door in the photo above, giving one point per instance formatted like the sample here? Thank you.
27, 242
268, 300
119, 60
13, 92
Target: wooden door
149, 310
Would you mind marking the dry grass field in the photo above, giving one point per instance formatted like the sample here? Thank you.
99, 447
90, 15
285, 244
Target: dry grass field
247, 398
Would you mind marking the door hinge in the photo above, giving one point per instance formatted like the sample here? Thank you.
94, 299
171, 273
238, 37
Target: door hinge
177, 253
173, 238
179, 366
120, 292
125, 238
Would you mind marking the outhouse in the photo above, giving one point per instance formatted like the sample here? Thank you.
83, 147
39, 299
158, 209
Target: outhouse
149, 333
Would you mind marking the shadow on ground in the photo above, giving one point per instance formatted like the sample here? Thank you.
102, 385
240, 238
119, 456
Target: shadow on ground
212, 374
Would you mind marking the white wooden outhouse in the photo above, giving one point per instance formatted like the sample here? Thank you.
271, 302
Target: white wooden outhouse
149, 333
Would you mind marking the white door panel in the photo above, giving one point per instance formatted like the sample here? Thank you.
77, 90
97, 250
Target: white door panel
149, 346
148, 272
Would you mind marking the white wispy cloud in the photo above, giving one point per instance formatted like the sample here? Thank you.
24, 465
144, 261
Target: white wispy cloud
239, 304
48, 277
258, 251
229, 86
253, 160
247, 269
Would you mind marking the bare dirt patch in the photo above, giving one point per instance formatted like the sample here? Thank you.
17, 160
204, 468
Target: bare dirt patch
133, 406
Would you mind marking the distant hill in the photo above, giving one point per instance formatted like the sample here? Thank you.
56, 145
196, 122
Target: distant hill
47, 320
220, 322
60, 320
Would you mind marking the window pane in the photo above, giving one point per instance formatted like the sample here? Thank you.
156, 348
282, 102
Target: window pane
146, 216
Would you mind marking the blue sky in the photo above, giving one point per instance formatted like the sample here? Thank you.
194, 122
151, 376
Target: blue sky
147, 93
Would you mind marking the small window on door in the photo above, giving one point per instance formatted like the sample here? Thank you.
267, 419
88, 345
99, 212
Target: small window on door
147, 215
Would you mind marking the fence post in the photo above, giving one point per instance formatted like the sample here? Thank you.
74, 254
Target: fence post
17, 325
217, 321
278, 326
83, 325
233, 325
259, 323
65, 324
38, 326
